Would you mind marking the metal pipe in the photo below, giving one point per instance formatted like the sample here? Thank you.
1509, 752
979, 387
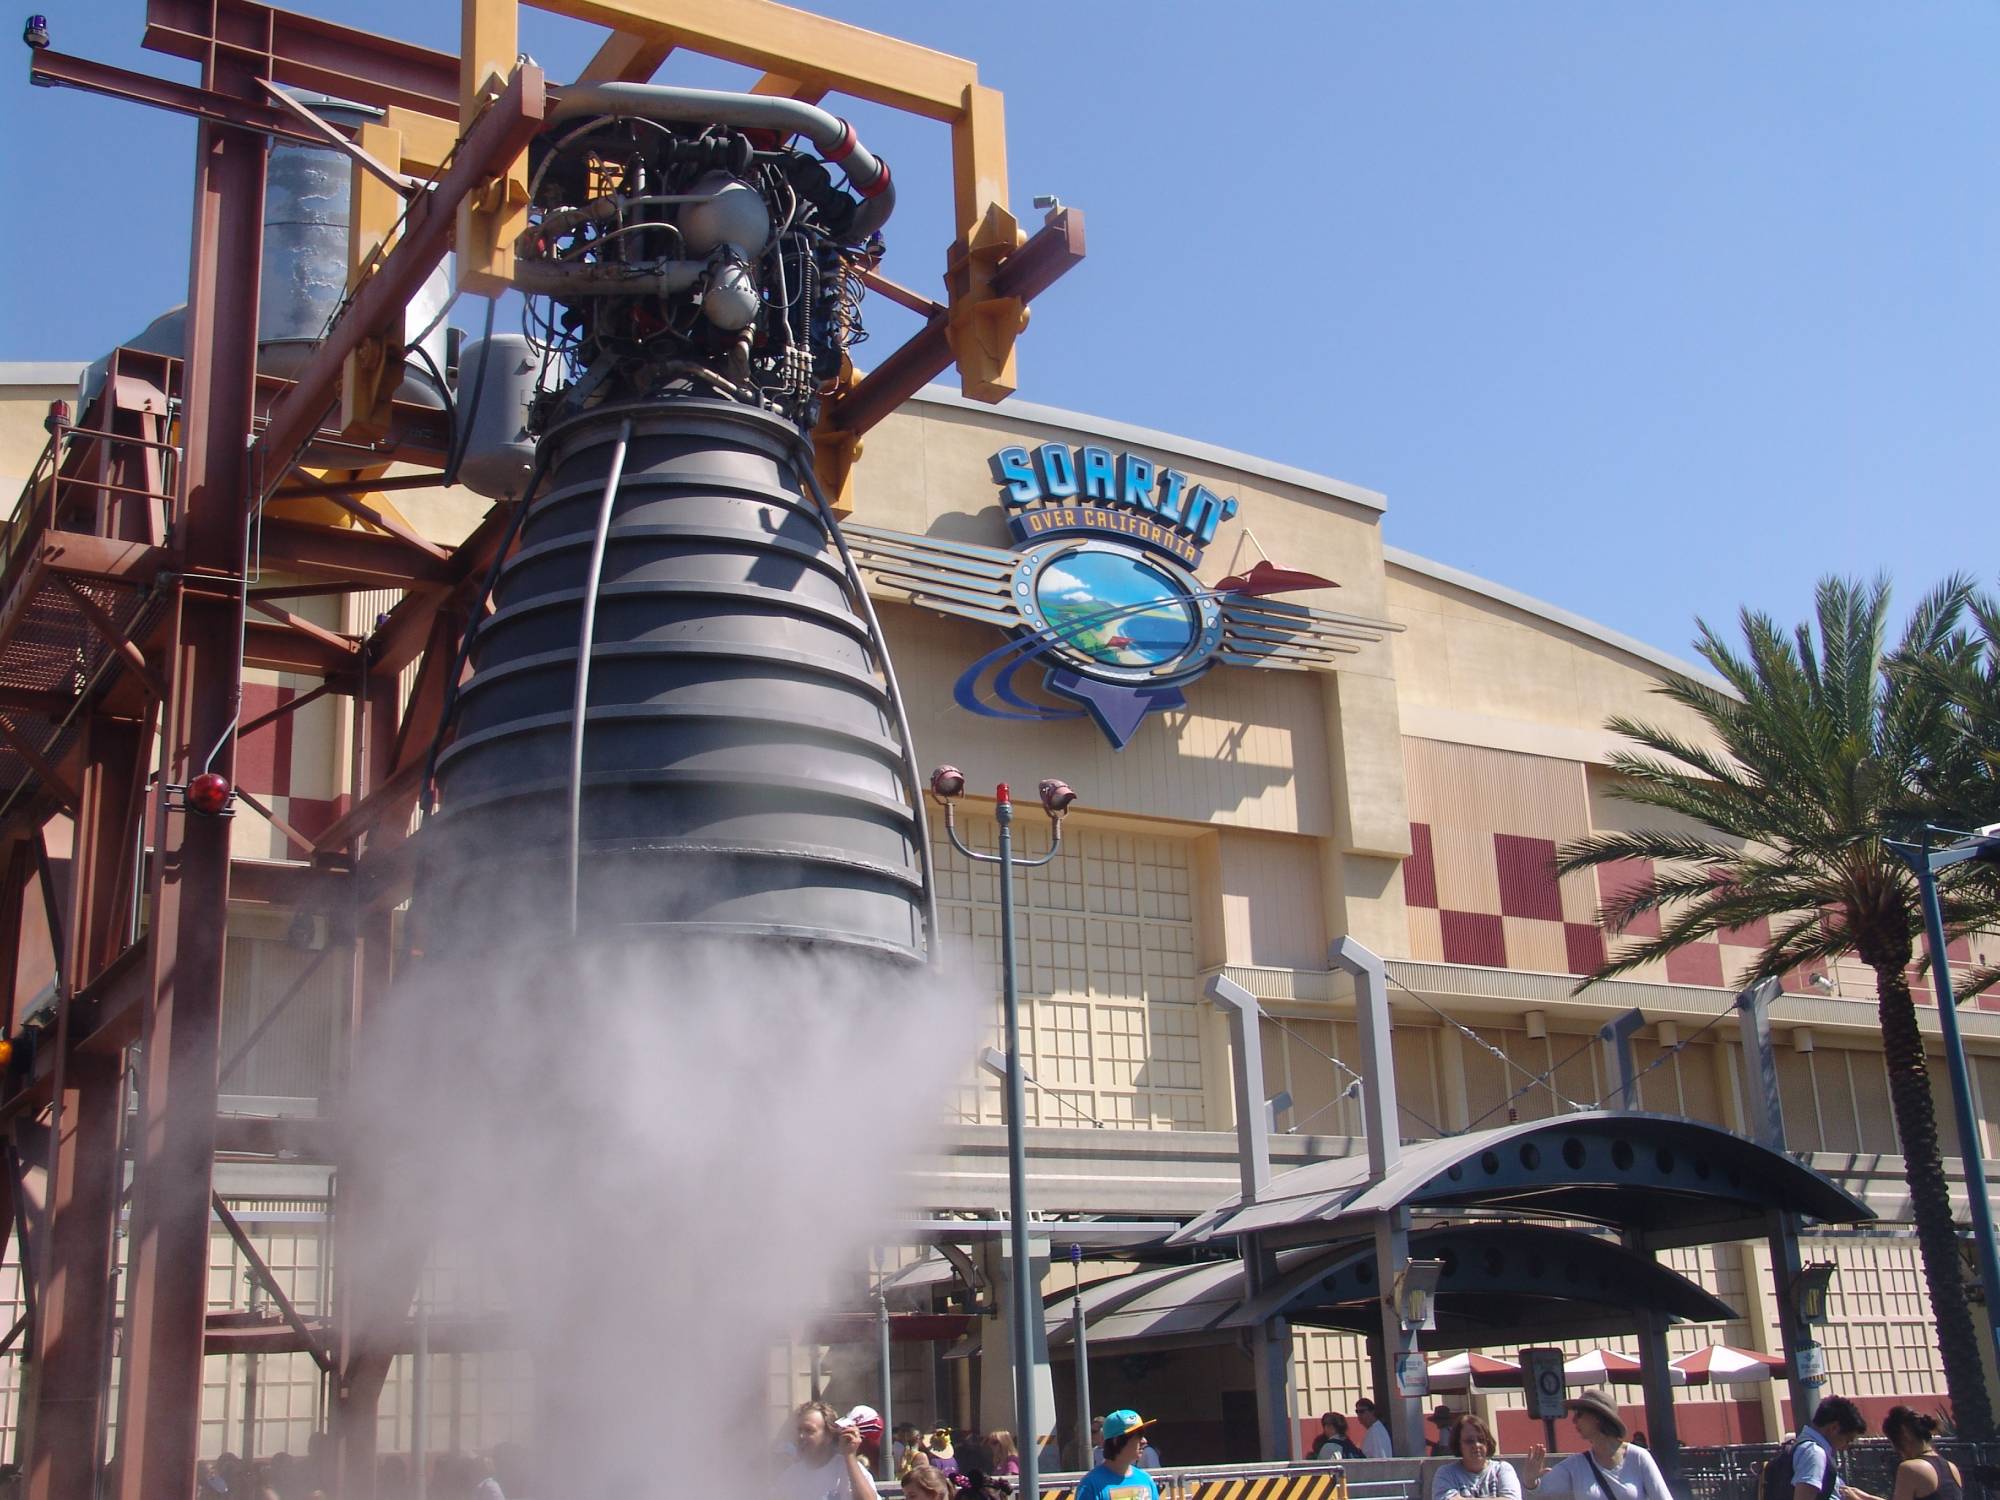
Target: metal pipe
830, 135
887, 1455
586, 635
1972, 1160
420, 1399
1081, 1341
250, 1381
1020, 1284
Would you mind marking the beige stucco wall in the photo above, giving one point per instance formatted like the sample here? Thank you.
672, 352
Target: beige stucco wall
23, 408
1476, 670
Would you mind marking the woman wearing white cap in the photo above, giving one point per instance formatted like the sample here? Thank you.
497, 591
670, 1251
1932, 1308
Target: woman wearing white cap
1609, 1468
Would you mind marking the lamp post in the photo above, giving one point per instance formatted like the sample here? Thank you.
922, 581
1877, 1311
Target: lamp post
1082, 1342
948, 785
1926, 861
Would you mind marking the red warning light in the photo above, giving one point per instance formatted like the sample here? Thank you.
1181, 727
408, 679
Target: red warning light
208, 793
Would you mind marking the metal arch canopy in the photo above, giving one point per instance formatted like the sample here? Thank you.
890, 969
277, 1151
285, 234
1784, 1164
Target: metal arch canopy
1667, 1180
1502, 1284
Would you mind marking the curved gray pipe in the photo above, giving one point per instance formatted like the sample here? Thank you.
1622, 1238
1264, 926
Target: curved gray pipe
829, 134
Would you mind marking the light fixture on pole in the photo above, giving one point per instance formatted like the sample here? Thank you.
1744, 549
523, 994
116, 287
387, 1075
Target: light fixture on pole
1925, 861
1416, 1293
948, 785
1810, 1289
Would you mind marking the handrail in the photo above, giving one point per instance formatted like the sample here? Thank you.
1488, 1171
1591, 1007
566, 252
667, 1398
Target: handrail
43, 493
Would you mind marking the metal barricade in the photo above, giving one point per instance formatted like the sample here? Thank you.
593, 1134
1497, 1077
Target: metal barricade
1737, 1472
1240, 1482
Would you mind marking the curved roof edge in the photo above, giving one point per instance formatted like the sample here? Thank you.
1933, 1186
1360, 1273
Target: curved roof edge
41, 371
1152, 437
1396, 557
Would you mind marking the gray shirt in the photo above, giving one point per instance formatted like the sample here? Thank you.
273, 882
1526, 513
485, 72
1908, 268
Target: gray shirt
1497, 1479
1634, 1477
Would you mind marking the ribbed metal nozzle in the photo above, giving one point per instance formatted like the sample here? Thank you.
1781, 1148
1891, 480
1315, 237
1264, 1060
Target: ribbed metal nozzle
742, 771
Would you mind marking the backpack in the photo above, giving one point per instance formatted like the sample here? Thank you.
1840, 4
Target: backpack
1777, 1483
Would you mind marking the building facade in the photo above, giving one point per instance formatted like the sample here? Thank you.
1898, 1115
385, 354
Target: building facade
1407, 788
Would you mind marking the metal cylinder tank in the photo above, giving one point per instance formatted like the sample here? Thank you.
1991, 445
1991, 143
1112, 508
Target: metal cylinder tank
305, 254
497, 377
742, 773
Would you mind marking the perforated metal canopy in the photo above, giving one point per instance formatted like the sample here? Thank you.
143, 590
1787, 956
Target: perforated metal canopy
1502, 1284
1669, 1181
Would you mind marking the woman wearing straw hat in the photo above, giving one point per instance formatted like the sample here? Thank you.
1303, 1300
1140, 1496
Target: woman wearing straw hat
1609, 1468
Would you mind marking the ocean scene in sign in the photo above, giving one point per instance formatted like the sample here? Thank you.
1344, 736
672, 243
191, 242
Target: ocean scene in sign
1116, 608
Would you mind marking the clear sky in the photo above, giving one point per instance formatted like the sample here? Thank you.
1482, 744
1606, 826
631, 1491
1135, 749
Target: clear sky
1649, 310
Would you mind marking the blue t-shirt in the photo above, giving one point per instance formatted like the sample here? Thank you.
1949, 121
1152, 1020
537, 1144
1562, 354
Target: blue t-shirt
1106, 1483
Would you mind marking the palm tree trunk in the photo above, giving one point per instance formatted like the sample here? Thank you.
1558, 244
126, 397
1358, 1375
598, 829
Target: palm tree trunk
1930, 1199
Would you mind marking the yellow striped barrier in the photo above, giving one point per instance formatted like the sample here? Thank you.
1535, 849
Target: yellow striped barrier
1322, 1485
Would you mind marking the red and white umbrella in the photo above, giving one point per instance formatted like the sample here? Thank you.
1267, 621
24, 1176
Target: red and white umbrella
1725, 1364
1464, 1372
1608, 1367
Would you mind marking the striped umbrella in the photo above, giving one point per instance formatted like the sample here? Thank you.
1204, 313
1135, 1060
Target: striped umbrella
1725, 1364
1608, 1367
1463, 1372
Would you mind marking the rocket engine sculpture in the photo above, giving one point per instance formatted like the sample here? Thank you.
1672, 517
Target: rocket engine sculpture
681, 718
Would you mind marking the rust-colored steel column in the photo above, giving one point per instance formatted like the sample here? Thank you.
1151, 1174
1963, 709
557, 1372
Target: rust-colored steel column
70, 1349
160, 1400
16, 863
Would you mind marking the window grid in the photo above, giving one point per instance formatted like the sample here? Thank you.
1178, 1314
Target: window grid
1110, 1005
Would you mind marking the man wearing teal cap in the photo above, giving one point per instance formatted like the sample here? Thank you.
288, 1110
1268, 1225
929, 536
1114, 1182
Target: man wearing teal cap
1115, 1477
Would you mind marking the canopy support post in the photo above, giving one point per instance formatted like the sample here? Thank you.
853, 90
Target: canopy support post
1656, 1375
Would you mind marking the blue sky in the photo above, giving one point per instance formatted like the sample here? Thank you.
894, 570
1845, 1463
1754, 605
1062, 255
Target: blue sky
1648, 310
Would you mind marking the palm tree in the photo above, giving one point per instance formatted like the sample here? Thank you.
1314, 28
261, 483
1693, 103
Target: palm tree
1819, 751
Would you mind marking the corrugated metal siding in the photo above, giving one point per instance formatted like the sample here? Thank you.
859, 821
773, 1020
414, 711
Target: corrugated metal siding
295, 1056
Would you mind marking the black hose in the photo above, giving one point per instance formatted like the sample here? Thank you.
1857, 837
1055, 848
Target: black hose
464, 435
444, 390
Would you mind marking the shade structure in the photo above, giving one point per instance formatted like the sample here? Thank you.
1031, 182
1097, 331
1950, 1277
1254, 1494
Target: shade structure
1725, 1364
1608, 1367
1469, 1372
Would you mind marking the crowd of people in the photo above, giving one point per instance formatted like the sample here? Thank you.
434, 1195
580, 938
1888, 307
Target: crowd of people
832, 1457
308, 1476
1615, 1464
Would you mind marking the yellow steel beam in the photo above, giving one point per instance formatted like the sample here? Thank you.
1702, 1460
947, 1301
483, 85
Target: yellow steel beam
982, 327
793, 44
490, 219
782, 86
427, 140
626, 58
366, 383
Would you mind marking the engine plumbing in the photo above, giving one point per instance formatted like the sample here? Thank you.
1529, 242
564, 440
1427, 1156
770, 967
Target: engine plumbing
690, 255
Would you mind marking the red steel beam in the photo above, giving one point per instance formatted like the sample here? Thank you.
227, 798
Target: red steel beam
495, 139
306, 51
61, 70
159, 1421
278, 648
1026, 274
342, 552
70, 1346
